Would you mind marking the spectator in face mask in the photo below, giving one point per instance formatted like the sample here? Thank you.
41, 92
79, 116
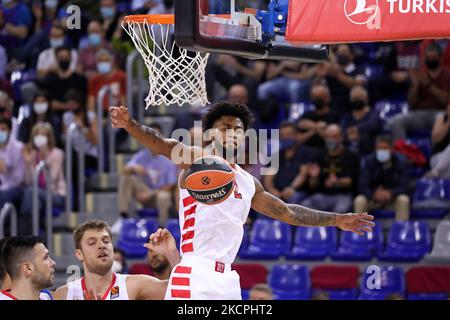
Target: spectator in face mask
57, 83
120, 262
362, 124
312, 125
342, 75
12, 168
39, 112
107, 75
428, 95
440, 161
47, 58
335, 175
384, 180
109, 17
87, 62
42, 147
291, 177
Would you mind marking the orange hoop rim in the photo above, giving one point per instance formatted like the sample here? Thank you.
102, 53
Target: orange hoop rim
150, 19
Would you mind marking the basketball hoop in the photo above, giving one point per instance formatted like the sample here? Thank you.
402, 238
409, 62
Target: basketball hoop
176, 76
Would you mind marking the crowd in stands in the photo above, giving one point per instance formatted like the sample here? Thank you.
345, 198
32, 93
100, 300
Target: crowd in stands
338, 154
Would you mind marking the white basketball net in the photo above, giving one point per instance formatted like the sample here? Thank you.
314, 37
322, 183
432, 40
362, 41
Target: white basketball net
176, 76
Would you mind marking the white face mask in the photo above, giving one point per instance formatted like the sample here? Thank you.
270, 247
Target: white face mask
40, 141
40, 107
116, 267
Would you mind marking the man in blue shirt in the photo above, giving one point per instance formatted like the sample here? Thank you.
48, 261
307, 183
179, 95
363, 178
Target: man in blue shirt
15, 23
149, 179
384, 181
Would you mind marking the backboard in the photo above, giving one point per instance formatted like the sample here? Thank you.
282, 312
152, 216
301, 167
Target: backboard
250, 28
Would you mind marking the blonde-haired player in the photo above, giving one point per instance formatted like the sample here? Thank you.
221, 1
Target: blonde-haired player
94, 249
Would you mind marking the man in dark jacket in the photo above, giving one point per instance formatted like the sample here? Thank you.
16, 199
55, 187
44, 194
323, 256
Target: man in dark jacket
384, 181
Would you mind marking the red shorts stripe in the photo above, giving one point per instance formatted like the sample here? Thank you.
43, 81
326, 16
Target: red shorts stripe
181, 269
181, 294
180, 281
188, 201
189, 223
188, 235
189, 211
187, 247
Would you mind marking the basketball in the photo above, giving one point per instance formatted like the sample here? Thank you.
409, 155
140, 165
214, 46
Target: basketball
210, 180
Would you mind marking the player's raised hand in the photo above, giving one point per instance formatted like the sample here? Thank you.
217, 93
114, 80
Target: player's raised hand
357, 223
91, 295
161, 242
119, 117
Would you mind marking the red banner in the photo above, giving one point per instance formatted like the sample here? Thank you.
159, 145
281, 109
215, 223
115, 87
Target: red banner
341, 21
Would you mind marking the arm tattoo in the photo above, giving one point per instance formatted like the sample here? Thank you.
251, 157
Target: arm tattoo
308, 217
299, 215
143, 132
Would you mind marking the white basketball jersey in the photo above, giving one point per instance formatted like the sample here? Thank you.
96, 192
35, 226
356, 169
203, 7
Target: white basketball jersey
5, 295
116, 291
215, 231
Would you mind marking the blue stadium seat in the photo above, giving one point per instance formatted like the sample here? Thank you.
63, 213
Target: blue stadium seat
383, 214
298, 110
245, 294
245, 239
391, 281
173, 226
135, 233
269, 240
373, 71
432, 194
353, 247
429, 213
407, 241
313, 243
148, 213
428, 296
387, 109
342, 294
290, 282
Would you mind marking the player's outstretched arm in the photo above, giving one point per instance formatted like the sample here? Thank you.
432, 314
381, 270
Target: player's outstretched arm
297, 215
182, 156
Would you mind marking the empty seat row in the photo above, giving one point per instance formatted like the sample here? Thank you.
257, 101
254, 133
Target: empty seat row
296, 282
269, 239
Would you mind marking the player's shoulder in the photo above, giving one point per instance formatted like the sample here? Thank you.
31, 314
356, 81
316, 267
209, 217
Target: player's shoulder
61, 292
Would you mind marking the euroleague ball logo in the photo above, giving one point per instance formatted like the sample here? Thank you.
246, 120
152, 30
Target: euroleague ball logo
206, 181
361, 11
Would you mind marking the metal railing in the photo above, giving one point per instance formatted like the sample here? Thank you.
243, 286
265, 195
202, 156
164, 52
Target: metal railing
131, 62
43, 168
105, 92
81, 166
8, 210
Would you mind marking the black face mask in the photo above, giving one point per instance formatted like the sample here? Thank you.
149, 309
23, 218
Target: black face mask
343, 60
64, 65
357, 104
432, 64
168, 4
319, 103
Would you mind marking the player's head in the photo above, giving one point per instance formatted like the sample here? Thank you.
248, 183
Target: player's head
93, 246
5, 279
27, 259
157, 262
260, 291
228, 122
